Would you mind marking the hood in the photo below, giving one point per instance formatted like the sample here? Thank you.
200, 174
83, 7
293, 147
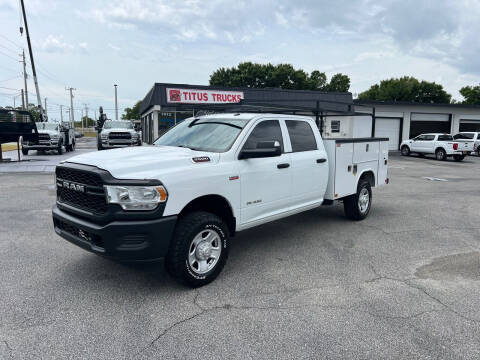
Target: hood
144, 162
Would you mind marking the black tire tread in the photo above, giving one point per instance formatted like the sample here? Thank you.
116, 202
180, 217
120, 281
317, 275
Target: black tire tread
350, 203
186, 228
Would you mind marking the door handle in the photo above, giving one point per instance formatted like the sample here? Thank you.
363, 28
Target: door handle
283, 166
322, 160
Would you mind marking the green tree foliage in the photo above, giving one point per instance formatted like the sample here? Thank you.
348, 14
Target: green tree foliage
283, 76
407, 89
87, 122
34, 110
132, 113
471, 95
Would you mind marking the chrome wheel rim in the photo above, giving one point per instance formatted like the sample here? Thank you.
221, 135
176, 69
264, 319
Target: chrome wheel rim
363, 200
204, 251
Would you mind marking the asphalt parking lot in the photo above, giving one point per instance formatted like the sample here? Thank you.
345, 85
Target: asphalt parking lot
404, 283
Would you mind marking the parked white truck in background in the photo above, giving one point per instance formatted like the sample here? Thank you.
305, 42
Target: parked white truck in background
52, 136
471, 141
205, 179
442, 145
117, 133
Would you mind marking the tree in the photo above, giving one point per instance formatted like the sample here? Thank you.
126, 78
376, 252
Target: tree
407, 89
132, 113
35, 111
284, 76
471, 95
87, 122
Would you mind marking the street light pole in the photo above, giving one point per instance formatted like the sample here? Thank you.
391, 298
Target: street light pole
116, 103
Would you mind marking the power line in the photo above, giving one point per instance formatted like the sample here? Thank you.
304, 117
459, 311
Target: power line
10, 41
7, 48
1, 52
16, 77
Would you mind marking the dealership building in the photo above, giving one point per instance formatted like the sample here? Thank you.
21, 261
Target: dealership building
337, 114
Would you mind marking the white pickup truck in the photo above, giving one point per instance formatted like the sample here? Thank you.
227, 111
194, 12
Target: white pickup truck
52, 136
117, 133
205, 179
442, 145
471, 141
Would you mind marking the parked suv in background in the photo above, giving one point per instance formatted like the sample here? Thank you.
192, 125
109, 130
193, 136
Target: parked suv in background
442, 145
52, 136
472, 140
117, 133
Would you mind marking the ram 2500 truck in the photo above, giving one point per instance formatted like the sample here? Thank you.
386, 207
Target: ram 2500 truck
117, 133
52, 136
207, 178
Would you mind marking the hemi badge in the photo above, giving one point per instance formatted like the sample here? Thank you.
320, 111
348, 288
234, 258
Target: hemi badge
200, 159
234, 177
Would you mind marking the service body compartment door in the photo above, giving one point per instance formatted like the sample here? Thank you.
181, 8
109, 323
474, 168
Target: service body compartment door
344, 178
382, 163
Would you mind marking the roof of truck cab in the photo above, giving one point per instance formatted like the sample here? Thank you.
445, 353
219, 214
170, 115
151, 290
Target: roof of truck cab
250, 116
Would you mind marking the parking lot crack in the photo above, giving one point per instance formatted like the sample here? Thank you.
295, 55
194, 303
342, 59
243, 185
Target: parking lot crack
438, 301
10, 350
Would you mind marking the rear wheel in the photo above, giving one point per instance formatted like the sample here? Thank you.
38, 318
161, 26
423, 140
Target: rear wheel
459, 157
357, 206
440, 154
99, 146
25, 151
199, 249
405, 150
478, 151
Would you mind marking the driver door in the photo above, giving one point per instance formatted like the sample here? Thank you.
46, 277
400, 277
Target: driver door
265, 182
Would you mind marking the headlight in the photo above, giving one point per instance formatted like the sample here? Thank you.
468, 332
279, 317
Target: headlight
136, 197
55, 137
104, 136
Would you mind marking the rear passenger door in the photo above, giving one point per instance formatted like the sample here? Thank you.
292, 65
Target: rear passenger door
429, 144
309, 163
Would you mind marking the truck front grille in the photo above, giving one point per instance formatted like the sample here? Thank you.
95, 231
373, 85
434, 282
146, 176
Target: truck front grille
119, 135
87, 192
44, 137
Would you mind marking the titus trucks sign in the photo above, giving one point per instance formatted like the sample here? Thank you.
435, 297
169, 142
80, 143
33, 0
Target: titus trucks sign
198, 96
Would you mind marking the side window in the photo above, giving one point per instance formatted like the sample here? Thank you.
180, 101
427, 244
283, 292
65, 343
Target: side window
419, 138
444, 138
301, 136
429, 137
267, 130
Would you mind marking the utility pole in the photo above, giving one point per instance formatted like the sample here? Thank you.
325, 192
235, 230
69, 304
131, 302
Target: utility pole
39, 101
116, 104
23, 101
46, 107
25, 77
72, 118
86, 114
61, 113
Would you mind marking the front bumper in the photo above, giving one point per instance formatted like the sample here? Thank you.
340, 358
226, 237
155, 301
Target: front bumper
118, 144
51, 145
129, 240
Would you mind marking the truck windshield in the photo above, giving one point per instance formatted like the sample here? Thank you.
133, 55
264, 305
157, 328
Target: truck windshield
46, 126
214, 134
117, 125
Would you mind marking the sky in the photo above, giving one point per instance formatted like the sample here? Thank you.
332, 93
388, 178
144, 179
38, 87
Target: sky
91, 45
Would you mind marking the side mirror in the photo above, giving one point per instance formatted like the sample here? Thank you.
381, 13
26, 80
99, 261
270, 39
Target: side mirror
263, 149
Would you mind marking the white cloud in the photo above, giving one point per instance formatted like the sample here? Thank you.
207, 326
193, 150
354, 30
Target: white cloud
57, 44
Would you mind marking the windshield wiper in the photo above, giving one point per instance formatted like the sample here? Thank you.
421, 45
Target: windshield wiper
187, 147
193, 123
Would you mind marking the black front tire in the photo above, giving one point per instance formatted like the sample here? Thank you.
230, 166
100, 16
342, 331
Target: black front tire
351, 204
60, 148
99, 146
177, 260
405, 150
25, 151
458, 157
